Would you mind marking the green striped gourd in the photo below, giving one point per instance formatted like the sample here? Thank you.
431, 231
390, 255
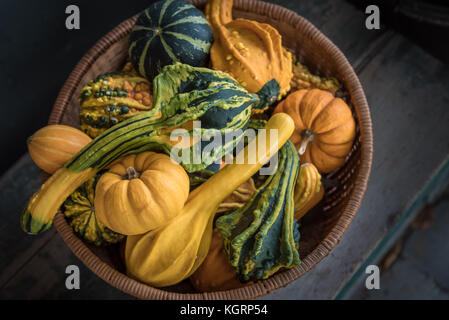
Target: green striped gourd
80, 213
181, 94
112, 98
166, 32
262, 237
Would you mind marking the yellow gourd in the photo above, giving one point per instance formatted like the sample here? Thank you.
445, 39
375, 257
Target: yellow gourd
308, 191
173, 252
141, 193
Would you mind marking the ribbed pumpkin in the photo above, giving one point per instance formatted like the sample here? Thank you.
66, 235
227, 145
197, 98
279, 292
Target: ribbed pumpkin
80, 213
250, 51
325, 127
262, 237
52, 146
112, 98
308, 191
182, 93
216, 273
166, 32
140, 193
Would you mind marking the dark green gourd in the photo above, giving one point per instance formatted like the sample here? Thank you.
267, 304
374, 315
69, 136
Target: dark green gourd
262, 237
166, 32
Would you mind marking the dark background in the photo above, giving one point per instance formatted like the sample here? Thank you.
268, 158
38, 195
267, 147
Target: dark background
38, 53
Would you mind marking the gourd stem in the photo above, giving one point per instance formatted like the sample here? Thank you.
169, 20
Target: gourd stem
131, 173
307, 136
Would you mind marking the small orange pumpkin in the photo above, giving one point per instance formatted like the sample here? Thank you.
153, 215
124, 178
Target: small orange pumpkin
140, 193
52, 146
216, 272
324, 127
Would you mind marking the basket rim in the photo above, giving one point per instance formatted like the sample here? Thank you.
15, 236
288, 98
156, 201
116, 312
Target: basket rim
323, 249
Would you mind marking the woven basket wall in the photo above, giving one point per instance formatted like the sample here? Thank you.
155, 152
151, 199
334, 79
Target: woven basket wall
321, 229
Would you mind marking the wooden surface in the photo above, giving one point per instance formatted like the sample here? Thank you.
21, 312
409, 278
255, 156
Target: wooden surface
408, 92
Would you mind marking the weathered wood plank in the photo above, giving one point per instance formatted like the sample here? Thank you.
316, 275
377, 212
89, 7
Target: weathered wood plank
420, 269
33, 267
16, 248
44, 277
408, 92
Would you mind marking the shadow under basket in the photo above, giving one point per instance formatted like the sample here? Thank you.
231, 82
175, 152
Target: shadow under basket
322, 228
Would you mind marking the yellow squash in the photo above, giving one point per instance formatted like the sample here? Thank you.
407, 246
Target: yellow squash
172, 253
140, 193
308, 191
53, 145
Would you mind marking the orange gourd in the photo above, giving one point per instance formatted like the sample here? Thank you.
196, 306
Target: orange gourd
140, 193
52, 146
216, 272
324, 127
248, 50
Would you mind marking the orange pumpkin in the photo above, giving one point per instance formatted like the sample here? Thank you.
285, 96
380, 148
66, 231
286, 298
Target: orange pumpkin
52, 146
140, 193
324, 127
216, 272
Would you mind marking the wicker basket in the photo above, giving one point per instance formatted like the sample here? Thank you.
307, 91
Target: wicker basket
322, 228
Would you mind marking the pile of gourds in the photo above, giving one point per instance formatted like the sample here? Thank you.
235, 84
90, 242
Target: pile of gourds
222, 225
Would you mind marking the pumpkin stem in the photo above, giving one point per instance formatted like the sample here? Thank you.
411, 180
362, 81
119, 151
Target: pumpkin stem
131, 173
307, 136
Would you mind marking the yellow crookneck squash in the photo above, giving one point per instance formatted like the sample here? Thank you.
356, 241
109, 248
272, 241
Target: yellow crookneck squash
324, 127
140, 193
52, 146
250, 51
172, 253
216, 273
309, 190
